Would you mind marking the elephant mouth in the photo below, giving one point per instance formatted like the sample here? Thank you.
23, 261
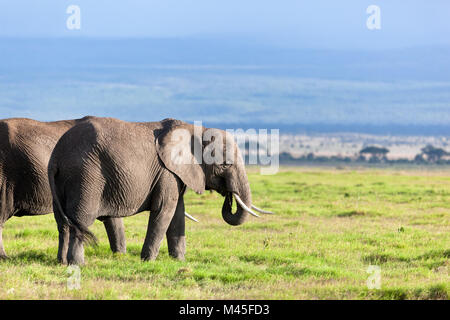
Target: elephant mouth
218, 186
223, 192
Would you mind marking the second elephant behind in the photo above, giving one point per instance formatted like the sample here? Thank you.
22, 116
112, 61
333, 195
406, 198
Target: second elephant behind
25, 149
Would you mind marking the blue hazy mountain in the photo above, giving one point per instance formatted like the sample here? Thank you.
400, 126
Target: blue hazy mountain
228, 83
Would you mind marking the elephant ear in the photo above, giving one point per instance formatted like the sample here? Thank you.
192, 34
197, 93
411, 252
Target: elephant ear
180, 149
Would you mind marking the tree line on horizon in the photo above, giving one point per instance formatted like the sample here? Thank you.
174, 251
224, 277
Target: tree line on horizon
374, 154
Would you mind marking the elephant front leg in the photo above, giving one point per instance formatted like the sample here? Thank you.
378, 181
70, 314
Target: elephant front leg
2, 249
163, 204
116, 234
158, 224
175, 234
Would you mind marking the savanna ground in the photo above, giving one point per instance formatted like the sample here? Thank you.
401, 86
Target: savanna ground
331, 225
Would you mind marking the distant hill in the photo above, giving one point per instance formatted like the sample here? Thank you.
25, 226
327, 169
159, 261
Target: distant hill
417, 63
228, 83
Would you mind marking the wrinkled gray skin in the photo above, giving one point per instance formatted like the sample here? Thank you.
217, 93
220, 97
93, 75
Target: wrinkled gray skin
124, 168
25, 149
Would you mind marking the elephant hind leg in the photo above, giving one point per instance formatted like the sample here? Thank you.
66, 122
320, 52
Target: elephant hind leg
75, 251
70, 249
63, 230
116, 234
63, 246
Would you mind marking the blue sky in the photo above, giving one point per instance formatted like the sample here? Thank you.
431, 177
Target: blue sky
294, 23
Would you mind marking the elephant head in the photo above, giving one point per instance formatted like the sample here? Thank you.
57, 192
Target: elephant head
208, 159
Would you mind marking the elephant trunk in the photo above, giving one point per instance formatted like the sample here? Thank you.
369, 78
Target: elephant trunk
241, 214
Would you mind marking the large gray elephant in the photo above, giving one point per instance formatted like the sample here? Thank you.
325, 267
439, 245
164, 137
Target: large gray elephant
25, 149
123, 168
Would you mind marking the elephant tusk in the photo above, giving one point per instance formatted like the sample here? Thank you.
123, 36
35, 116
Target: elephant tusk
242, 204
261, 210
190, 217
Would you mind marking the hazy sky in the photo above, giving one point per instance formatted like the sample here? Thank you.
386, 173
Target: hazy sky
296, 23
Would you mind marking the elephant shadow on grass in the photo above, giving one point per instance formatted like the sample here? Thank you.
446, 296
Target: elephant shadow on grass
34, 256
48, 258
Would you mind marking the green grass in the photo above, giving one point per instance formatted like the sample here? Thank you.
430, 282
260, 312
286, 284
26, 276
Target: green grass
330, 226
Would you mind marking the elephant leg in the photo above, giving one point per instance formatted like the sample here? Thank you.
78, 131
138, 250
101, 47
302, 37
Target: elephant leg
63, 237
2, 249
175, 234
63, 246
116, 234
163, 204
75, 253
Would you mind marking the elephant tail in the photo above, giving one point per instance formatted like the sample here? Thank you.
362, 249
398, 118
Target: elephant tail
81, 232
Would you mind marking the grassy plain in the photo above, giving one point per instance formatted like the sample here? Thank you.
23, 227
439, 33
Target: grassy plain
331, 225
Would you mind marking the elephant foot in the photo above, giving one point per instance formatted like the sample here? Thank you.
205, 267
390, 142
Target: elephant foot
148, 258
177, 247
63, 261
179, 257
76, 258
3, 256
119, 250
76, 252
77, 262
148, 255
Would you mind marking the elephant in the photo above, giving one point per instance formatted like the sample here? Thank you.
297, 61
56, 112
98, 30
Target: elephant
122, 168
25, 149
